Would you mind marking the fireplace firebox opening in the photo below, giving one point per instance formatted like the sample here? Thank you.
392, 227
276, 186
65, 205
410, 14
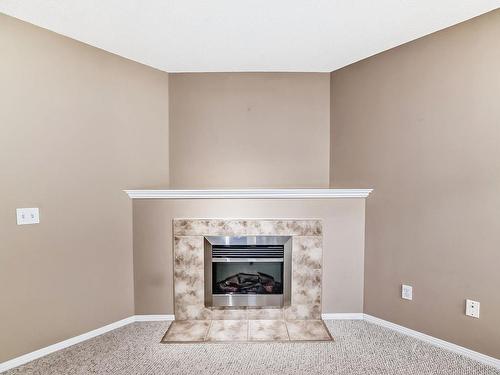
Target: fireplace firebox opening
247, 271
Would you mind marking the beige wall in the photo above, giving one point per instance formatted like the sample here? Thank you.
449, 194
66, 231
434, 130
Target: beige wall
421, 125
343, 244
246, 130
77, 126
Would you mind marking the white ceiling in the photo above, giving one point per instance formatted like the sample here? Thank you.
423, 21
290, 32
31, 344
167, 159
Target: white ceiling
245, 35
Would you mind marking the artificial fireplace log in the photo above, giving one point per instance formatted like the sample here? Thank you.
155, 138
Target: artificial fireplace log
246, 283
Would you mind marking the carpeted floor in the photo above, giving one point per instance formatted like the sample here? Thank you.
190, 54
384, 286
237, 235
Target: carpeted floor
359, 348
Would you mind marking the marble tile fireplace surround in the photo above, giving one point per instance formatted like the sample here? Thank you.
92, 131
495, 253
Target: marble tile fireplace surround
306, 267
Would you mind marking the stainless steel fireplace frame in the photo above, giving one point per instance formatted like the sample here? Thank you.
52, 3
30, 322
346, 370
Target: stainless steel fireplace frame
248, 300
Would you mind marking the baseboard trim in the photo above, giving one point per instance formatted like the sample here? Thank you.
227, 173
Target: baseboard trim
153, 318
487, 360
342, 316
18, 361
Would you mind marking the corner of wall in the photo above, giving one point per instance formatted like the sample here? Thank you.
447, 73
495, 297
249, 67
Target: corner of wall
331, 131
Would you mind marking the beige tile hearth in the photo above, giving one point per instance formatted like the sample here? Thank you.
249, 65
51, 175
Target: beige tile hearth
228, 330
307, 330
187, 331
192, 331
267, 330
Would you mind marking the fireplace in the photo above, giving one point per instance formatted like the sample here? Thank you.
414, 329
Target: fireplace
247, 271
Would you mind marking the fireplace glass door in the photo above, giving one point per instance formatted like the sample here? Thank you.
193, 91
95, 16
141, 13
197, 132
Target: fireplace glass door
241, 276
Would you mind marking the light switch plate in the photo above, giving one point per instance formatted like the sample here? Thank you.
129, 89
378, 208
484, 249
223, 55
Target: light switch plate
472, 308
27, 216
407, 292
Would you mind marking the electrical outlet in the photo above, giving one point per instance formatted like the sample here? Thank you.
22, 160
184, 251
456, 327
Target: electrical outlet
27, 216
472, 308
407, 292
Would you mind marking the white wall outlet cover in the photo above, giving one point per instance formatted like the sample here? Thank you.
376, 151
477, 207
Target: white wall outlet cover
27, 216
472, 308
407, 292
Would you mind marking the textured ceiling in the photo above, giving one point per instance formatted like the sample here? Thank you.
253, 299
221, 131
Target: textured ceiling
245, 35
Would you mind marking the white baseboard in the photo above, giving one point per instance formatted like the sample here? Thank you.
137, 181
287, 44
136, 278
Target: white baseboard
342, 316
487, 360
18, 361
153, 318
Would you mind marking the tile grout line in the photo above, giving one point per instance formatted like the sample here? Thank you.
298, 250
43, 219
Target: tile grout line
287, 333
208, 330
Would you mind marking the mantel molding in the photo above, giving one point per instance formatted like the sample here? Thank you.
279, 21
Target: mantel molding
250, 194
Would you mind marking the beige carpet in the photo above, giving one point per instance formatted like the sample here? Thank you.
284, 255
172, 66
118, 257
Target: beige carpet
359, 348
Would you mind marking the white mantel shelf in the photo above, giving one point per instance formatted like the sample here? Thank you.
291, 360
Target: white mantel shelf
250, 194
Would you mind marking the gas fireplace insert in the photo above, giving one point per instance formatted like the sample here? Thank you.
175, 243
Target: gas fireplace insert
247, 271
